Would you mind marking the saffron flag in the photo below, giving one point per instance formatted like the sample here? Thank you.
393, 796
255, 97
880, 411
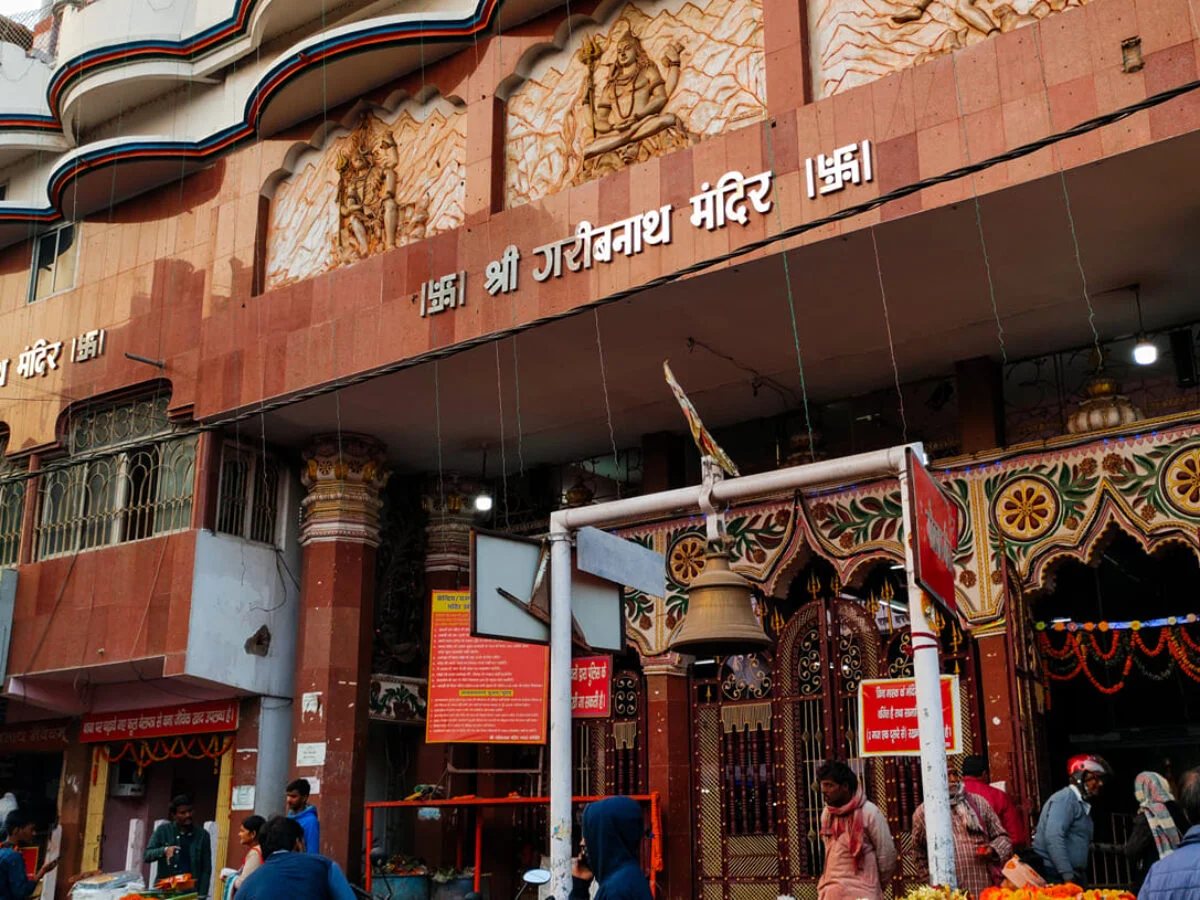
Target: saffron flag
704, 440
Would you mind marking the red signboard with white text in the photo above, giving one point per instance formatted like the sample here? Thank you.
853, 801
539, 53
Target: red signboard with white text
482, 691
935, 534
591, 687
162, 721
887, 717
34, 737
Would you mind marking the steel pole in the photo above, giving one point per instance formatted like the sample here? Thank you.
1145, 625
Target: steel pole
886, 463
927, 674
560, 710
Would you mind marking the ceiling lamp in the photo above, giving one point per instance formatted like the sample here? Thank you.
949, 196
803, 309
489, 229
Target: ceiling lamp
483, 502
1145, 353
1105, 407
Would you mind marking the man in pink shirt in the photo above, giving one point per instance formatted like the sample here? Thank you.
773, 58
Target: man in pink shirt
977, 782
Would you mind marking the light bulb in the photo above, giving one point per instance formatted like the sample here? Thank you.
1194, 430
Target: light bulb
1145, 353
483, 503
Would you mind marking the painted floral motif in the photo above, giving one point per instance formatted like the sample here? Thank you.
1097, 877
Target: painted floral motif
1181, 481
686, 559
861, 521
1026, 509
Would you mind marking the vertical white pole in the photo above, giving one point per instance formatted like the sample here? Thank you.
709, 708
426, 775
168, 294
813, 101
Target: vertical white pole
927, 673
560, 710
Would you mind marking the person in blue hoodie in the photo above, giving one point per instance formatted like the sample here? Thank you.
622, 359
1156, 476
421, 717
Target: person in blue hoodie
288, 871
298, 808
612, 852
1176, 876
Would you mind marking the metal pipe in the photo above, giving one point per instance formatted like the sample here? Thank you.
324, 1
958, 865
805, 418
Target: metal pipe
370, 840
927, 677
560, 710
888, 463
860, 467
478, 849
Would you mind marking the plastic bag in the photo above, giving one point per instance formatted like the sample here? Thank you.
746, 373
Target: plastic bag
108, 886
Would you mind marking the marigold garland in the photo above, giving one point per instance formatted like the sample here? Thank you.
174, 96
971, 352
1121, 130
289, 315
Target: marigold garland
1052, 892
1078, 646
143, 753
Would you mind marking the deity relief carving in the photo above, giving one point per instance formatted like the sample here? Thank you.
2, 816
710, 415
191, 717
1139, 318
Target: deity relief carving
626, 115
371, 218
656, 78
857, 41
382, 185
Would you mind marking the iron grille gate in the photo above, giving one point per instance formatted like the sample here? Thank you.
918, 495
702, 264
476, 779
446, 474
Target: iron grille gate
762, 725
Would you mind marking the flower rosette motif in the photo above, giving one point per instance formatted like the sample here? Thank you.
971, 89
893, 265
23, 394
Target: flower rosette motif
1180, 481
686, 559
1026, 508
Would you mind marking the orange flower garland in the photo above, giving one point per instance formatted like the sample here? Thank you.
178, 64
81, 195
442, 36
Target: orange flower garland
1052, 892
1076, 650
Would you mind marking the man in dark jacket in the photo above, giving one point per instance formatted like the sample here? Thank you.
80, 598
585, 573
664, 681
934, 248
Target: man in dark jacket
612, 839
1177, 876
180, 848
288, 872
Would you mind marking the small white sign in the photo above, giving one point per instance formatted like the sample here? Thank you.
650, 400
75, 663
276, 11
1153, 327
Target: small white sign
314, 785
310, 754
310, 705
243, 797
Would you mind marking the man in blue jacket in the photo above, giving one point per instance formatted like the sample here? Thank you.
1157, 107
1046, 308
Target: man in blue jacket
289, 872
1177, 875
1064, 830
298, 808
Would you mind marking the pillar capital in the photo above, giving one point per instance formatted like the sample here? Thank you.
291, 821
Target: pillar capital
344, 475
449, 503
675, 664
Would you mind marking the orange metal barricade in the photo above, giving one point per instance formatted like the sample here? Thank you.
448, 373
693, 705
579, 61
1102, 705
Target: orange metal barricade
656, 858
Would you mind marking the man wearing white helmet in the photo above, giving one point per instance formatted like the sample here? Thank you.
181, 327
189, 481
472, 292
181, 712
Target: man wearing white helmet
1064, 829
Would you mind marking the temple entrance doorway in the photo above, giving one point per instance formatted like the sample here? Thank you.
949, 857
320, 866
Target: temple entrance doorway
1120, 646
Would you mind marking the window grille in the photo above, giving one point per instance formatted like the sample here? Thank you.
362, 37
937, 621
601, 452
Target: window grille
135, 482
55, 255
248, 495
12, 503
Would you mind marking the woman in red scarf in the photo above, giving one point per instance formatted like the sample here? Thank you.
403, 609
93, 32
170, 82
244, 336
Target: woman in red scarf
860, 854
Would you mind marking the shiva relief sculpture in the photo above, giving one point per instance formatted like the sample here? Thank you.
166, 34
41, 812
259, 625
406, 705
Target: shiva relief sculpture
648, 79
382, 185
856, 41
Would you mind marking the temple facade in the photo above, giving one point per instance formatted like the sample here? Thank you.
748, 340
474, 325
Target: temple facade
295, 295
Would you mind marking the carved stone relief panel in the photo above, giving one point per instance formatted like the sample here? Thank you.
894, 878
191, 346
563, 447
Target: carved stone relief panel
647, 79
391, 179
857, 41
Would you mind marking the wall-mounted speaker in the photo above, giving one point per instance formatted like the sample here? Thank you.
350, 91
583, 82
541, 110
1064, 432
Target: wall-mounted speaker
1183, 352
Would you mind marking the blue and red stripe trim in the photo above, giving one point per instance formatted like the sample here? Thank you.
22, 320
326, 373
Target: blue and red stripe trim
276, 78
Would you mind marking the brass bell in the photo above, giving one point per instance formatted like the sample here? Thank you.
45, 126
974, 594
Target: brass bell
720, 617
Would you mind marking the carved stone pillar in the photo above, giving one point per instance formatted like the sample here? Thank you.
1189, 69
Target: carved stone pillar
449, 503
667, 749
339, 533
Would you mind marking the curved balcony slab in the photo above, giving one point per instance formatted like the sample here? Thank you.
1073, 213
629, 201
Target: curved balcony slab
281, 94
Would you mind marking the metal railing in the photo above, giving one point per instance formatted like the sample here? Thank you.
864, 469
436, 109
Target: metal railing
248, 494
127, 495
12, 505
1108, 866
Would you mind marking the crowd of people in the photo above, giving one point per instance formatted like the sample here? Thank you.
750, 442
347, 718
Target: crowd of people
992, 846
